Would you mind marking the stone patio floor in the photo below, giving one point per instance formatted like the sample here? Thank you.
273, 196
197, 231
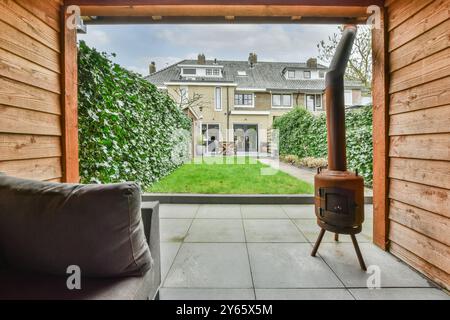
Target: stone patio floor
261, 252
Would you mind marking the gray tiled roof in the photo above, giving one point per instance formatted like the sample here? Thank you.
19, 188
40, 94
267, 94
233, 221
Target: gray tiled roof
263, 75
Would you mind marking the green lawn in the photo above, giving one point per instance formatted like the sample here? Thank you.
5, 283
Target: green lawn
218, 175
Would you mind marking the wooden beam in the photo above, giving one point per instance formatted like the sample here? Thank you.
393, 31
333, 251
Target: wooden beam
380, 88
226, 2
69, 98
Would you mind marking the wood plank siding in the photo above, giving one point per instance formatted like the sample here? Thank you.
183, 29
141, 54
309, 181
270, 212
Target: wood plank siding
419, 135
31, 127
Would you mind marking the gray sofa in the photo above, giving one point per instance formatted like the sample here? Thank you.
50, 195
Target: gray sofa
104, 230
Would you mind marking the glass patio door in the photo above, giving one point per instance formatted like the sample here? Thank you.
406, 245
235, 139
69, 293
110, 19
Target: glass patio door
246, 137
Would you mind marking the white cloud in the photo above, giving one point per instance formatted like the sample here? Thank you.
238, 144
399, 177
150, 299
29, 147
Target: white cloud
96, 38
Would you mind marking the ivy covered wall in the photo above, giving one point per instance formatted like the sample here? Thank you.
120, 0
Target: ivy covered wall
128, 130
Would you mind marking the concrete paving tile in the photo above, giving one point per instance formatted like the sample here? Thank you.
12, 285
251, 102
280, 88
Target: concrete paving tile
216, 230
178, 211
174, 230
400, 294
272, 230
222, 211
263, 212
206, 294
289, 265
168, 252
211, 265
341, 257
299, 211
303, 294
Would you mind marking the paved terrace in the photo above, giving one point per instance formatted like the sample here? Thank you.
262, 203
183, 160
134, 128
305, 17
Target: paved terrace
263, 252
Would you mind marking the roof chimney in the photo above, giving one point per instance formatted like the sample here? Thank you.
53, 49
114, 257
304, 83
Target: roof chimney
312, 63
201, 59
252, 58
152, 67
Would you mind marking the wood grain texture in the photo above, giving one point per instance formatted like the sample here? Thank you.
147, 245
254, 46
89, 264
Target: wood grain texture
436, 200
417, 24
47, 11
21, 147
26, 47
433, 120
427, 223
432, 173
22, 70
425, 45
402, 10
380, 83
21, 121
69, 102
36, 169
427, 146
428, 95
437, 275
436, 253
16, 94
23, 20
423, 71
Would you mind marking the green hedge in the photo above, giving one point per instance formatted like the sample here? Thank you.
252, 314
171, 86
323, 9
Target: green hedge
128, 130
304, 134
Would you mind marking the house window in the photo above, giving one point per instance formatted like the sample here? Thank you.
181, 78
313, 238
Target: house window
307, 74
242, 73
321, 74
313, 102
218, 99
243, 99
189, 71
282, 100
291, 74
213, 72
216, 72
184, 95
209, 72
348, 97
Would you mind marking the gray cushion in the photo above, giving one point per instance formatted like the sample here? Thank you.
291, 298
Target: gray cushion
25, 286
47, 227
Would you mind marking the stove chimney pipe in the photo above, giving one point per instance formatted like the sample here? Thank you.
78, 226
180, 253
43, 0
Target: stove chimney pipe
335, 101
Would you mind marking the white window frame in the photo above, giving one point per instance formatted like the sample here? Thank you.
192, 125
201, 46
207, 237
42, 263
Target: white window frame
188, 74
316, 107
289, 72
305, 72
218, 139
184, 98
281, 106
347, 102
244, 105
218, 99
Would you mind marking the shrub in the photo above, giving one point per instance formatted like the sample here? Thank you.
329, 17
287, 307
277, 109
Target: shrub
304, 136
128, 130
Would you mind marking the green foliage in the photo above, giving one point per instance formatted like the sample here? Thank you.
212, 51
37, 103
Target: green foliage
303, 134
128, 130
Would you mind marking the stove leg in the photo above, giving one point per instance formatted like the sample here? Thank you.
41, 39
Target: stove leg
336, 237
358, 253
319, 240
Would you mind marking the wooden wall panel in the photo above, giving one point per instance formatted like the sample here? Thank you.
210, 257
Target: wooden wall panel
30, 86
419, 128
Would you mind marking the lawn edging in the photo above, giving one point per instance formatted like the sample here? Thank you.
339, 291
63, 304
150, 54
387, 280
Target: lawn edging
191, 198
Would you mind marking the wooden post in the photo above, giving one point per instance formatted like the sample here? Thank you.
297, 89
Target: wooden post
69, 96
380, 89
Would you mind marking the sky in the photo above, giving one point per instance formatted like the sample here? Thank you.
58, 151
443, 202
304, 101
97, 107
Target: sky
137, 45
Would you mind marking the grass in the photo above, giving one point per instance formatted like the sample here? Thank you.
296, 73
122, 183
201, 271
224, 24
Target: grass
230, 175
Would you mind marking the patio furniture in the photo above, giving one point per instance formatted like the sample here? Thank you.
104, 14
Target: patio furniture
45, 228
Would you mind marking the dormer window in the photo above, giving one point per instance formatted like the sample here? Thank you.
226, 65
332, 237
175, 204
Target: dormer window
307, 74
213, 72
321, 74
291, 74
242, 73
189, 71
